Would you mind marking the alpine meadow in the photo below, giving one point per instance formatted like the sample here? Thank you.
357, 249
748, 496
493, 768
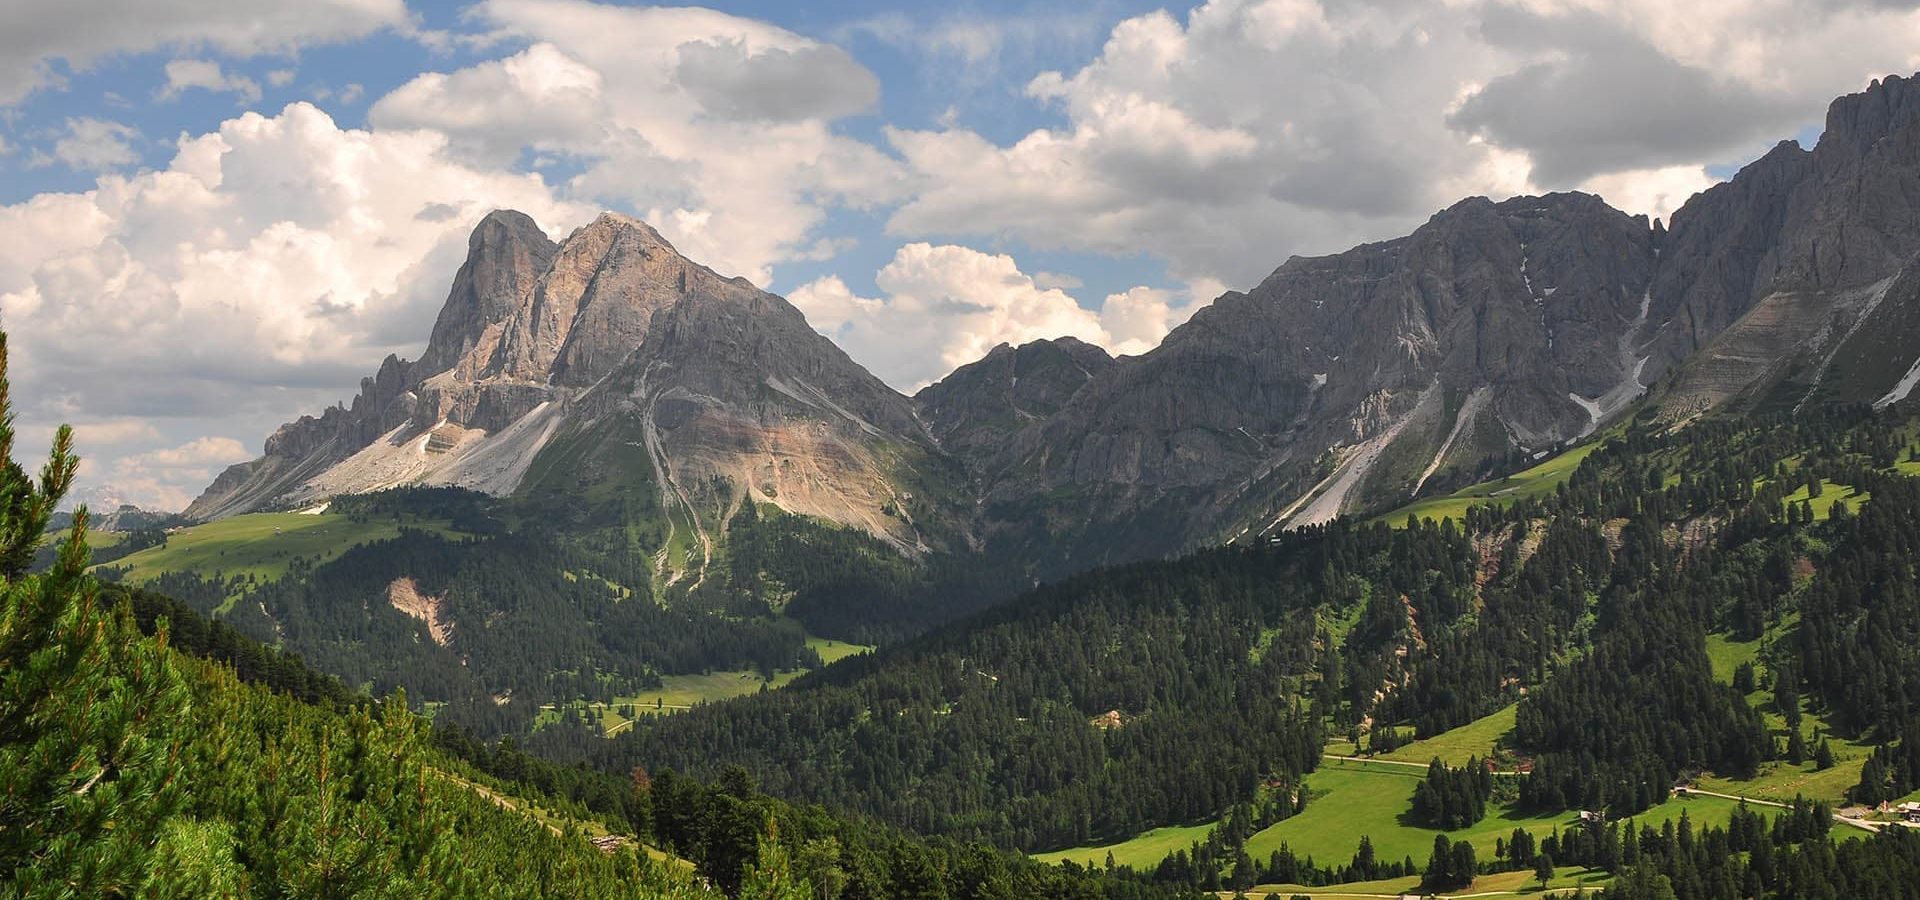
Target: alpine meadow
987, 451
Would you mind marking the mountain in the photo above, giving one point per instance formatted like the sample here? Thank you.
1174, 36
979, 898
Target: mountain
1494, 333
1494, 325
1796, 281
608, 357
609, 379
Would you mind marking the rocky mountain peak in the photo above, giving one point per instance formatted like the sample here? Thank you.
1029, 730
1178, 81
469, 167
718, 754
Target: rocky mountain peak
976, 410
1856, 122
614, 344
506, 253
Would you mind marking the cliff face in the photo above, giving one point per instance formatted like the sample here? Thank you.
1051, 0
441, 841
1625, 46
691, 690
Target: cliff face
1799, 281
1353, 381
981, 406
1340, 383
1353, 377
610, 332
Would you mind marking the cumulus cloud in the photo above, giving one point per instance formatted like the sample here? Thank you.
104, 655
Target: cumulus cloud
946, 306
714, 128
1254, 129
78, 33
259, 274
167, 478
92, 145
206, 75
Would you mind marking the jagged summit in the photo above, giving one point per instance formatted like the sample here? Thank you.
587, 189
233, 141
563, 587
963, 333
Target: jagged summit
1496, 331
608, 333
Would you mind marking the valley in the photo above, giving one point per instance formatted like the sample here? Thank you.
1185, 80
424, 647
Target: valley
1544, 548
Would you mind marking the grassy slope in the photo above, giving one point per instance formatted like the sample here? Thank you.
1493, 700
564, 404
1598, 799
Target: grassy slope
1534, 482
682, 692
262, 544
1830, 493
1780, 781
1350, 799
1474, 739
1504, 884
1354, 799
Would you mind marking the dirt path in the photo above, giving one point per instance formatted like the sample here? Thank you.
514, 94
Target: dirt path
1856, 823
1395, 762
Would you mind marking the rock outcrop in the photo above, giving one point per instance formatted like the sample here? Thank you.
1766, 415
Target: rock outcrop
1494, 333
608, 341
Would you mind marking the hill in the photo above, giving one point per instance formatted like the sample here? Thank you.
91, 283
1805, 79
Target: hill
1562, 631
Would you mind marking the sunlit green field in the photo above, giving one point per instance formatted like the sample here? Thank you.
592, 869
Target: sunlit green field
262, 544
1474, 739
1504, 884
1534, 482
1351, 799
1142, 852
683, 692
1831, 492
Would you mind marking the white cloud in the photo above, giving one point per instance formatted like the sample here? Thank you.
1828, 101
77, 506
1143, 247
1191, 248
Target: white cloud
281, 77
715, 129
81, 32
114, 432
1656, 192
946, 306
167, 478
92, 145
205, 74
1255, 129
258, 275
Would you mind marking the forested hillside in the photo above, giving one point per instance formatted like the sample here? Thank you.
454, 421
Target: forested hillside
1173, 693
148, 752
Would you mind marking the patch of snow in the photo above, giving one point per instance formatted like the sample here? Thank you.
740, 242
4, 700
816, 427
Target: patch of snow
1901, 390
1548, 292
1320, 379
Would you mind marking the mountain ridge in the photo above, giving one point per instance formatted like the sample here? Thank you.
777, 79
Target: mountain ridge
1494, 332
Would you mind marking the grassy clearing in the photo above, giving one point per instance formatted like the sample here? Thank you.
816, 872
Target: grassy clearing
1142, 852
1726, 655
1353, 799
683, 692
832, 651
263, 544
1780, 781
1474, 739
1515, 884
1831, 492
1534, 482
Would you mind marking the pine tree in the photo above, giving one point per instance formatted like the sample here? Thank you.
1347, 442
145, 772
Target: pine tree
87, 767
771, 876
1823, 756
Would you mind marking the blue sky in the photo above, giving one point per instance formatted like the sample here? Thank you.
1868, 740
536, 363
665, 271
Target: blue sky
216, 215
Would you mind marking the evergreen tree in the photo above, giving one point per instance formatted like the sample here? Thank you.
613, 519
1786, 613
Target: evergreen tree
86, 767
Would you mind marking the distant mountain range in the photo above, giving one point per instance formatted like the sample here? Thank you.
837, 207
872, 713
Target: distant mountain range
1491, 334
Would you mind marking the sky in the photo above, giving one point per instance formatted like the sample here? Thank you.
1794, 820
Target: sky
218, 215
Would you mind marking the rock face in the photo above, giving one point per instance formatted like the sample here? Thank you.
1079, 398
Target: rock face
1357, 380
1359, 374
1494, 332
1794, 281
609, 337
981, 406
